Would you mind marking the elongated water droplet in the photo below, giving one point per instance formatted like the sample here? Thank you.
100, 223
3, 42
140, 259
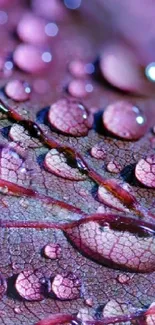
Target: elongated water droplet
63, 165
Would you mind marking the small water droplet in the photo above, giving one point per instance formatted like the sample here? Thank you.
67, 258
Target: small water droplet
113, 167
66, 286
3, 17
17, 310
123, 278
52, 251
150, 71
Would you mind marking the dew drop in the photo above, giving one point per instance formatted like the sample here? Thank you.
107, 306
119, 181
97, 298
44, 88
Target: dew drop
52, 251
98, 151
62, 165
79, 88
18, 90
22, 136
66, 286
89, 302
145, 171
119, 66
122, 245
113, 167
84, 315
123, 278
29, 58
70, 117
125, 120
51, 29
3, 17
115, 308
3, 286
80, 69
30, 286
13, 167
17, 310
46, 57
31, 29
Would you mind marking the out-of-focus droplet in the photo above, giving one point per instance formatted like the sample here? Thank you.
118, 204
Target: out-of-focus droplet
53, 10
79, 88
145, 171
31, 29
29, 58
125, 120
52, 251
80, 69
3, 17
66, 286
46, 57
72, 4
18, 90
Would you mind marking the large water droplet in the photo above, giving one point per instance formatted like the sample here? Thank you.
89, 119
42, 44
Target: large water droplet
70, 117
122, 244
66, 286
125, 120
20, 135
62, 165
115, 308
145, 171
18, 90
30, 285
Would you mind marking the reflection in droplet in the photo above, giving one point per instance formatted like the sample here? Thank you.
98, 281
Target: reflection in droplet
51, 29
72, 4
150, 71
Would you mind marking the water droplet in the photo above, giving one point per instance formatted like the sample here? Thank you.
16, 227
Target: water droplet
80, 69
3, 286
52, 251
51, 29
123, 278
125, 120
29, 285
17, 310
107, 247
22, 136
54, 10
113, 167
29, 58
17, 90
89, 302
31, 29
145, 171
115, 308
77, 88
84, 315
98, 151
70, 117
72, 4
89, 88
66, 286
62, 165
